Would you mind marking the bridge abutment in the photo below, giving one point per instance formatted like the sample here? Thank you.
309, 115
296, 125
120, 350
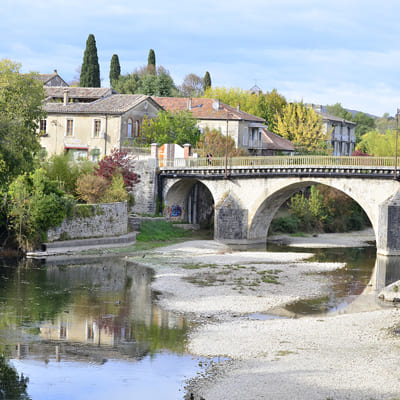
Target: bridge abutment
388, 236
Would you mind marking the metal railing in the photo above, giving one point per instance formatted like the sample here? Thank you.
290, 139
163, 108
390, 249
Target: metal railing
278, 161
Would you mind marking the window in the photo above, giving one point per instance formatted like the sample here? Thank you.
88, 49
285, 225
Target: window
69, 128
43, 126
245, 137
130, 128
259, 138
96, 128
137, 128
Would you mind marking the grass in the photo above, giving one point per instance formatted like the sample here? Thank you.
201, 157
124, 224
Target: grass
160, 230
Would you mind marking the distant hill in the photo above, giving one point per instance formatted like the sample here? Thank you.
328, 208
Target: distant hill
353, 112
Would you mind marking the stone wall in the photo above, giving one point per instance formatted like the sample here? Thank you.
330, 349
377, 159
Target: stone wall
145, 192
93, 220
388, 238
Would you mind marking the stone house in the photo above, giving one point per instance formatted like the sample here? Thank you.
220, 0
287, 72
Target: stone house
52, 80
93, 129
247, 130
340, 133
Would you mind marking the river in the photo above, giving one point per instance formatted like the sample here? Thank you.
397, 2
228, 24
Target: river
92, 329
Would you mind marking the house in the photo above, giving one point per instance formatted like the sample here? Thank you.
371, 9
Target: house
273, 144
93, 129
245, 129
52, 80
59, 94
340, 132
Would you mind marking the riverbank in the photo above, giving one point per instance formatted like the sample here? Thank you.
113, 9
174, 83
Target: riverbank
343, 356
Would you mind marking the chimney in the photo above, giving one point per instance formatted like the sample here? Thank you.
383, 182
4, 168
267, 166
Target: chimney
189, 106
238, 107
55, 72
66, 99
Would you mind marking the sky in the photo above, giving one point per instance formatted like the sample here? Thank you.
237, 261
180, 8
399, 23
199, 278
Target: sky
342, 51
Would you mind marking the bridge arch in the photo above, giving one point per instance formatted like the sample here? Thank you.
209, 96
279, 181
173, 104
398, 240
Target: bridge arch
261, 220
189, 200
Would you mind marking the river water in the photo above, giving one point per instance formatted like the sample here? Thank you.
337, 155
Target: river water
91, 329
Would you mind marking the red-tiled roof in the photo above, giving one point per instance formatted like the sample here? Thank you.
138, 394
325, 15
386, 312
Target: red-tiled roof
205, 108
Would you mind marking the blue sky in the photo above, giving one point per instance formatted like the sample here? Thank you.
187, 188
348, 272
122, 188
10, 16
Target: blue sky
345, 51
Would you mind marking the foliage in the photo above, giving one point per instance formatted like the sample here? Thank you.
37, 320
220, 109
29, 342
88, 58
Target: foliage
118, 162
140, 81
12, 386
385, 123
214, 142
192, 86
267, 106
303, 126
359, 153
154, 230
290, 224
270, 106
62, 169
91, 188
115, 69
339, 111
378, 144
116, 191
322, 208
90, 71
21, 98
365, 123
180, 128
35, 203
151, 62
206, 81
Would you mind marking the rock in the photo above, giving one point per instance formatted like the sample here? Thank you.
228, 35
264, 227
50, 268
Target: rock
391, 293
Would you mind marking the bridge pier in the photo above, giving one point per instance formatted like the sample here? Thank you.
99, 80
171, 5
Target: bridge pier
388, 236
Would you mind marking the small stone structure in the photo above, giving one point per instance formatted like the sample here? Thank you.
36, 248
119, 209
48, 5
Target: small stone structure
93, 220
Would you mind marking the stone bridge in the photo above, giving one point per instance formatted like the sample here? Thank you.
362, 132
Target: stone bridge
242, 199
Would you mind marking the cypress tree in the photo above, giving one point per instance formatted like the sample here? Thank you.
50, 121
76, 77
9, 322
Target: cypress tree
90, 72
206, 81
115, 69
151, 62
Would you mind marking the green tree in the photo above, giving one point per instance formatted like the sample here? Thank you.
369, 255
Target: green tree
90, 71
21, 101
115, 69
151, 62
12, 385
338, 111
365, 123
128, 84
270, 106
206, 81
385, 123
214, 142
180, 128
303, 126
378, 144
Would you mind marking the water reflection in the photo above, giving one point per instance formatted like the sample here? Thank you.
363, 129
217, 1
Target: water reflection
94, 311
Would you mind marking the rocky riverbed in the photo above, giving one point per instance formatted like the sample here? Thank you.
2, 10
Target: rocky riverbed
347, 355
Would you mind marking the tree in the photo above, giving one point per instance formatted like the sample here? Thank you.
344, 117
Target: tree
386, 122
12, 385
214, 142
180, 128
270, 106
90, 71
303, 126
192, 86
206, 81
338, 111
365, 123
115, 69
151, 63
21, 100
378, 144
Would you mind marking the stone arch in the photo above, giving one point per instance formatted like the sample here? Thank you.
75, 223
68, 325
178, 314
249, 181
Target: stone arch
260, 223
189, 200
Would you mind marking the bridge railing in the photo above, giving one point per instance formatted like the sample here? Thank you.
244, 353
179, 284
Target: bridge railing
278, 161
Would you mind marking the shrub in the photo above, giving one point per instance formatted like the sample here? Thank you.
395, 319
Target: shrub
91, 188
290, 224
116, 191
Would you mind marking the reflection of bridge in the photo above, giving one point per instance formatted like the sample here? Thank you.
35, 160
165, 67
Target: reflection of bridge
247, 192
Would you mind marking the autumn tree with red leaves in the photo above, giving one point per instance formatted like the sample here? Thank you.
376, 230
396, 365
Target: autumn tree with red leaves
118, 162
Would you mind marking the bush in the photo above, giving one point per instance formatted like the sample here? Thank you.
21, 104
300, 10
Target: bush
116, 191
290, 224
91, 188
